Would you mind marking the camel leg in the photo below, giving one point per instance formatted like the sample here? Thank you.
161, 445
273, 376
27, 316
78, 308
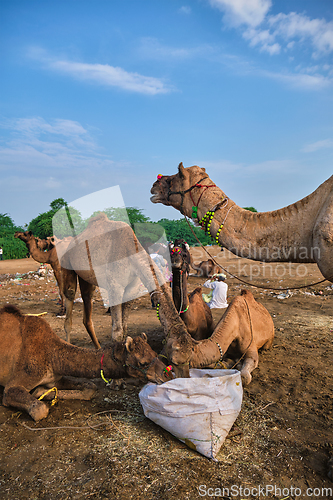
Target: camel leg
126, 307
117, 324
87, 291
19, 397
69, 285
268, 344
250, 363
68, 388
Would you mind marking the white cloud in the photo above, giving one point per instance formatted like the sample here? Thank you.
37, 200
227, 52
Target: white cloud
152, 48
238, 12
103, 74
298, 26
262, 38
62, 144
310, 148
185, 9
300, 80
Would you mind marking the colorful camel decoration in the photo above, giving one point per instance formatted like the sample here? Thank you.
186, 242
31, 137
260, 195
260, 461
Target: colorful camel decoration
245, 327
301, 232
192, 309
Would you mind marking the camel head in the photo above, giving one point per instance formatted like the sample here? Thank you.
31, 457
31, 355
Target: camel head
142, 362
179, 352
179, 259
169, 189
25, 236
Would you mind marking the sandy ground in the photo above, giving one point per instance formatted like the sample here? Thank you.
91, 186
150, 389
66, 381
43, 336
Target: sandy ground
282, 437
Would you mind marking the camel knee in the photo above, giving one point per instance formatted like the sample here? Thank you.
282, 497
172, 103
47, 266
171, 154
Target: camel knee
246, 376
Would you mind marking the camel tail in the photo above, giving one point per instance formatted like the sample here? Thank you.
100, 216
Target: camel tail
10, 309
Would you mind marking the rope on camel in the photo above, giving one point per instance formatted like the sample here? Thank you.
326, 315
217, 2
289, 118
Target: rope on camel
246, 282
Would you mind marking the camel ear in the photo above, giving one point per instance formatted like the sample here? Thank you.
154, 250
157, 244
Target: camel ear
144, 336
181, 170
129, 344
203, 169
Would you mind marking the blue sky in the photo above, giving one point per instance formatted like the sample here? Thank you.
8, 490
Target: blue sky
105, 93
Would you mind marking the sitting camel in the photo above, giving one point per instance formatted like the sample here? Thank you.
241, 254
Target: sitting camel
192, 309
245, 327
206, 268
32, 355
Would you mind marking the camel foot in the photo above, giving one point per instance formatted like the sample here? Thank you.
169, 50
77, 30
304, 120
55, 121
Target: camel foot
38, 410
246, 377
117, 384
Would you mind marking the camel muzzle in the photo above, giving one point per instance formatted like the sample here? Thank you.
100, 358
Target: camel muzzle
181, 371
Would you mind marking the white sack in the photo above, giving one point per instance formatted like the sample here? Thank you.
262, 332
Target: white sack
199, 410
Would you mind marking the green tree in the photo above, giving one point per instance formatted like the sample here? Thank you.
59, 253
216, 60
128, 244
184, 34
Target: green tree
180, 229
60, 220
12, 247
252, 209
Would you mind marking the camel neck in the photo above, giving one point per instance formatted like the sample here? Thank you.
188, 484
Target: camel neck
36, 253
81, 362
179, 289
281, 235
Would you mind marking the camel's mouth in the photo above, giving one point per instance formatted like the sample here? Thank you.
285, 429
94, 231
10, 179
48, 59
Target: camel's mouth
154, 198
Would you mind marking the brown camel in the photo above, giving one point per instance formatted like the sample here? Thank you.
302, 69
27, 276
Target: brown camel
36, 249
67, 288
245, 327
108, 254
206, 268
302, 232
32, 355
192, 309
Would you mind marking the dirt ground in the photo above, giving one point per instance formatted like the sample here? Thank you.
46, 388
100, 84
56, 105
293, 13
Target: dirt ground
105, 448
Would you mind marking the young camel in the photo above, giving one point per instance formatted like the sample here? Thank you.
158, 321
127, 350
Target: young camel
32, 355
192, 309
302, 232
37, 251
245, 327
54, 247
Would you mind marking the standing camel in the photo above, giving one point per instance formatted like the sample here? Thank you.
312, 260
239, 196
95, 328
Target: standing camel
37, 251
108, 254
67, 289
192, 309
302, 232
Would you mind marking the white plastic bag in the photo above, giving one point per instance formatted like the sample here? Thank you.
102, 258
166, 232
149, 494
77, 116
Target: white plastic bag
199, 410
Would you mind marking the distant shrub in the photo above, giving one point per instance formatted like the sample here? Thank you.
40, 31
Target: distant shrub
13, 248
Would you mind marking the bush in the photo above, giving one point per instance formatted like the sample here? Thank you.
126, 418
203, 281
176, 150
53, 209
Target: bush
13, 248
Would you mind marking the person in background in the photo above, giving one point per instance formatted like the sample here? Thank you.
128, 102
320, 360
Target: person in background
219, 291
1, 253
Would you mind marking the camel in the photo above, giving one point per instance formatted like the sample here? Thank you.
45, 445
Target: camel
37, 251
192, 309
301, 232
66, 290
32, 355
108, 254
206, 268
245, 327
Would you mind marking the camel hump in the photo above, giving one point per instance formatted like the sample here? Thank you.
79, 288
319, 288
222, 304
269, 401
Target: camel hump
10, 309
195, 291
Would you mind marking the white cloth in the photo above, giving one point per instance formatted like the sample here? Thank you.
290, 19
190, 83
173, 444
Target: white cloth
159, 261
220, 290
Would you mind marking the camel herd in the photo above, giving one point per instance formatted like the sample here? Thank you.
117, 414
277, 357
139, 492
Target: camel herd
108, 254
